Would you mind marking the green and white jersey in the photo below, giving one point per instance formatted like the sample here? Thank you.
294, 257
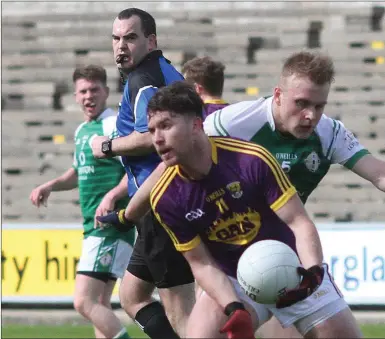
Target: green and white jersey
97, 176
305, 161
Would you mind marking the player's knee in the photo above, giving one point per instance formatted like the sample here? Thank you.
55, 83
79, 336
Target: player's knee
273, 329
83, 305
105, 301
134, 293
341, 324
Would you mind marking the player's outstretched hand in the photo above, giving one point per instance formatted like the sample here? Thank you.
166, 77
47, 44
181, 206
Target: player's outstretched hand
39, 195
311, 279
117, 219
239, 324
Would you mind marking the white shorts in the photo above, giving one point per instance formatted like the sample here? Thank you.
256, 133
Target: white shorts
325, 302
104, 255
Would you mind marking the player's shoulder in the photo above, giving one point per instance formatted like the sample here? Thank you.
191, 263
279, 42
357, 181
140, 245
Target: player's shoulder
138, 78
328, 126
236, 146
327, 122
255, 107
165, 191
79, 128
241, 120
108, 121
109, 118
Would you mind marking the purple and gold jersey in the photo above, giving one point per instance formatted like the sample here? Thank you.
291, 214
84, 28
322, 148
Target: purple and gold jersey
231, 208
210, 106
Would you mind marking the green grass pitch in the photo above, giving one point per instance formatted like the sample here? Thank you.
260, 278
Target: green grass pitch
84, 331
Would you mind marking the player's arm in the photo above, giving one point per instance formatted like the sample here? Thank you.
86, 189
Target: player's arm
309, 250
219, 287
280, 194
120, 190
209, 276
139, 142
139, 205
111, 197
349, 152
308, 243
136, 95
135, 144
371, 169
65, 182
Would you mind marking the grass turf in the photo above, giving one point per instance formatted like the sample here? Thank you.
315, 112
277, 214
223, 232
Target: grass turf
59, 331
85, 331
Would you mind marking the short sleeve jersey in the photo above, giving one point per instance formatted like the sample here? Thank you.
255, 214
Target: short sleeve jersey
97, 176
305, 161
231, 208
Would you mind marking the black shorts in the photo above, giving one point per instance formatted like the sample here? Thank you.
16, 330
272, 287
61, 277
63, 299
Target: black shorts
155, 258
105, 277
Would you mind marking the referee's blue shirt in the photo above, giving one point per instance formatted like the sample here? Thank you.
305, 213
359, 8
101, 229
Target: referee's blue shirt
153, 72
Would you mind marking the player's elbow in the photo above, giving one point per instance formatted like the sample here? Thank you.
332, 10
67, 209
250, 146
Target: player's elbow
379, 182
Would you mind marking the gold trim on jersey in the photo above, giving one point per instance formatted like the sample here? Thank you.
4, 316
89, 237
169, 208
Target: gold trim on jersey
214, 158
283, 199
179, 172
182, 247
215, 101
261, 152
167, 229
188, 245
155, 196
161, 185
214, 151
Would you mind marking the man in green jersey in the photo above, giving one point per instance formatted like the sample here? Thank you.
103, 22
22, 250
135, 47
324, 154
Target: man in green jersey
102, 187
292, 126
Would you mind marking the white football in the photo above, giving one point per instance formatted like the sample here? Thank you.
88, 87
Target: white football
266, 269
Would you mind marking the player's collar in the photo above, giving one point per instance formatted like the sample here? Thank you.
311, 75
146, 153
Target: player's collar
106, 113
215, 101
269, 106
214, 151
214, 158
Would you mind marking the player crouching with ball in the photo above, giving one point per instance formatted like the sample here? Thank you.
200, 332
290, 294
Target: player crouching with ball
217, 197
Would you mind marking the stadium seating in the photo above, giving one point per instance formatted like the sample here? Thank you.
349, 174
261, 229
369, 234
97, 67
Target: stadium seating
42, 43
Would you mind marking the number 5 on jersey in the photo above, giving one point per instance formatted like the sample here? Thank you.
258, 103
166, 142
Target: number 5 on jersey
286, 166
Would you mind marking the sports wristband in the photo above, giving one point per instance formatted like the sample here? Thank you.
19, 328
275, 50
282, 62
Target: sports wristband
232, 307
122, 218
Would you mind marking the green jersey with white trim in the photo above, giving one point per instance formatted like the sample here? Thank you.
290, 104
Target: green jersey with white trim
306, 161
97, 176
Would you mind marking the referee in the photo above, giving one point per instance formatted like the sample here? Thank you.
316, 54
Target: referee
155, 261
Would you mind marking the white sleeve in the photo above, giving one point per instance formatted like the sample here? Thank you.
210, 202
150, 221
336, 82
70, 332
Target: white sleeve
240, 120
109, 125
109, 130
209, 125
75, 162
347, 146
342, 145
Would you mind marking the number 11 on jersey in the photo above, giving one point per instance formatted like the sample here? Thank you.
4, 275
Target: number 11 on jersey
222, 205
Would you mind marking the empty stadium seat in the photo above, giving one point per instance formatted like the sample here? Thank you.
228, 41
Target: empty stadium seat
43, 43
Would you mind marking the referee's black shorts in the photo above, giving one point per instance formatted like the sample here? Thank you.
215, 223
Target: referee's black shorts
155, 258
